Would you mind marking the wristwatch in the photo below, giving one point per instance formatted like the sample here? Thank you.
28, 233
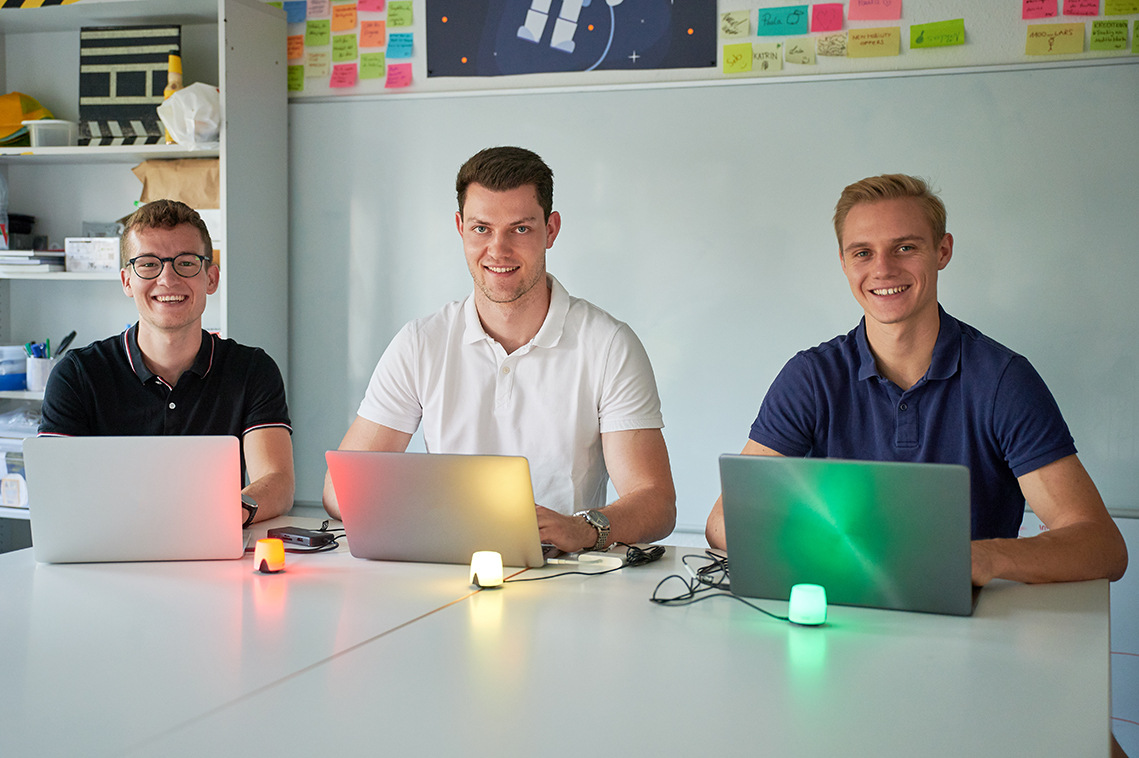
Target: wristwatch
598, 521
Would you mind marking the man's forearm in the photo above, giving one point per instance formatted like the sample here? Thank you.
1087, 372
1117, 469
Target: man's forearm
643, 515
1067, 554
273, 494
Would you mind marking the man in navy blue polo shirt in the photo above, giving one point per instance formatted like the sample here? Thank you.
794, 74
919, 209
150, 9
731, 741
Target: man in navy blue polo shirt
912, 383
166, 375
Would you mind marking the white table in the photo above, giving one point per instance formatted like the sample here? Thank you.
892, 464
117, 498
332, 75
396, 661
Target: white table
347, 655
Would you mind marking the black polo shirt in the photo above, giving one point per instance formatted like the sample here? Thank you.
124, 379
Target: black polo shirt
105, 389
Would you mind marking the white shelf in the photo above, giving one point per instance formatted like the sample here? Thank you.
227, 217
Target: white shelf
101, 154
21, 395
63, 276
16, 513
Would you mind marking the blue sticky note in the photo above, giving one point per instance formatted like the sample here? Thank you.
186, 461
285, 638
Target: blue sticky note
295, 11
399, 45
782, 22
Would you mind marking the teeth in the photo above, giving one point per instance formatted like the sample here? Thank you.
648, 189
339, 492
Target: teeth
501, 270
889, 291
170, 298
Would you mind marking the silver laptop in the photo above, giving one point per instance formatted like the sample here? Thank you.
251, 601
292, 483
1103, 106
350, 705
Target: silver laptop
436, 508
884, 535
95, 499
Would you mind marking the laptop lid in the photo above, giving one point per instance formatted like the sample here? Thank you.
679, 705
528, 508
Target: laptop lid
436, 508
877, 534
96, 499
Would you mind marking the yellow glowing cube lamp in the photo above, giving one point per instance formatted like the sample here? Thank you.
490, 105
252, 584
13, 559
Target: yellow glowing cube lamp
269, 556
486, 569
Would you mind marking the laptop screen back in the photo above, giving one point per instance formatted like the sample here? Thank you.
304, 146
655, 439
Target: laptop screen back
884, 535
436, 508
94, 499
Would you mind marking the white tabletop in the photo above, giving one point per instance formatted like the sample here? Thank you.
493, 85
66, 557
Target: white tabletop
342, 654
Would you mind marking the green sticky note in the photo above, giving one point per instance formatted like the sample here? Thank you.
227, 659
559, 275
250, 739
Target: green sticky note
938, 34
296, 78
1108, 35
399, 13
372, 66
343, 48
280, 5
1134, 34
318, 32
1120, 7
737, 58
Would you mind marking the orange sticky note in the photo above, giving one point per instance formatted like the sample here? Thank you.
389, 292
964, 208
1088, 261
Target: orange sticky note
373, 33
344, 17
296, 46
874, 43
1054, 39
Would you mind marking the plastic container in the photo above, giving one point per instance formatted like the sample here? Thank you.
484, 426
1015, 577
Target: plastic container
13, 367
52, 132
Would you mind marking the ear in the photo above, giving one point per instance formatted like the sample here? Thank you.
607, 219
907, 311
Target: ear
459, 222
553, 226
213, 276
944, 251
125, 276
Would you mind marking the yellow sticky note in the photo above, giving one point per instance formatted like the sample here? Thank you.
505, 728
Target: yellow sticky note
344, 17
1120, 7
801, 50
832, 45
373, 34
318, 65
874, 43
737, 58
766, 57
1108, 35
735, 24
1054, 39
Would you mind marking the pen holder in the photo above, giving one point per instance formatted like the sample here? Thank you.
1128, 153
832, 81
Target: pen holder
38, 371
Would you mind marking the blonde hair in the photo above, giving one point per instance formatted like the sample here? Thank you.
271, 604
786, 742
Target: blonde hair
891, 187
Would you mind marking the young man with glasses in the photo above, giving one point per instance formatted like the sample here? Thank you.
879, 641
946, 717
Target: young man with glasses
166, 375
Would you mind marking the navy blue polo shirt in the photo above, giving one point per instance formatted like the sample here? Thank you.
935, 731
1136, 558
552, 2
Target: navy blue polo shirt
979, 404
105, 389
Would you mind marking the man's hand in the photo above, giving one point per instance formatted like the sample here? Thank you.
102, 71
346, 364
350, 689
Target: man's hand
567, 533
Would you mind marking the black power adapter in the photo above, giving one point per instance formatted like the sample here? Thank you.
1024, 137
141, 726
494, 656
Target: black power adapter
292, 535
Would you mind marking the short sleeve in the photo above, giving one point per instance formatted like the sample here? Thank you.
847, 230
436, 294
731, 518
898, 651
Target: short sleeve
66, 408
629, 398
266, 405
1027, 422
392, 398
788, 415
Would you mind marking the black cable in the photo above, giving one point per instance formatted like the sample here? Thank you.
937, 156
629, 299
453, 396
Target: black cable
711, 578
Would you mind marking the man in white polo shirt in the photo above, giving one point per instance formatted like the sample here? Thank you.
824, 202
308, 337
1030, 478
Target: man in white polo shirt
522, 368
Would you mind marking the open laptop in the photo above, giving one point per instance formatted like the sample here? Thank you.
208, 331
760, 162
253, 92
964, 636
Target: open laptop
436, 508
883, 535
96, 499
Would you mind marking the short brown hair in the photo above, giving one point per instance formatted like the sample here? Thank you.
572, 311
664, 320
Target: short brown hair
163, 214
891, 187
505, 168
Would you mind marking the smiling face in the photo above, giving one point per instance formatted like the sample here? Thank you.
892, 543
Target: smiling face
170, 302
891, 261
505, 241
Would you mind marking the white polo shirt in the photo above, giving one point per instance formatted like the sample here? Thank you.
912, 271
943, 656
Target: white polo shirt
584, 374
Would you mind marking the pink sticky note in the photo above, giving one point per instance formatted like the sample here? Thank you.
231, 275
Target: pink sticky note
875, 10
399, 75
1038, 9
1081, 7
343, 75
826, 17
370, 5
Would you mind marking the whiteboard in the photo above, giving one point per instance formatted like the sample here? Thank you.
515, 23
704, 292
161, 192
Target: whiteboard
701, 217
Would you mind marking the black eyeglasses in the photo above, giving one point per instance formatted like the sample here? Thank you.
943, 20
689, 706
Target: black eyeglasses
186, 265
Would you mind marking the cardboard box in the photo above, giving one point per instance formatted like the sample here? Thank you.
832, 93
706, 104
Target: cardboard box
91, 253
